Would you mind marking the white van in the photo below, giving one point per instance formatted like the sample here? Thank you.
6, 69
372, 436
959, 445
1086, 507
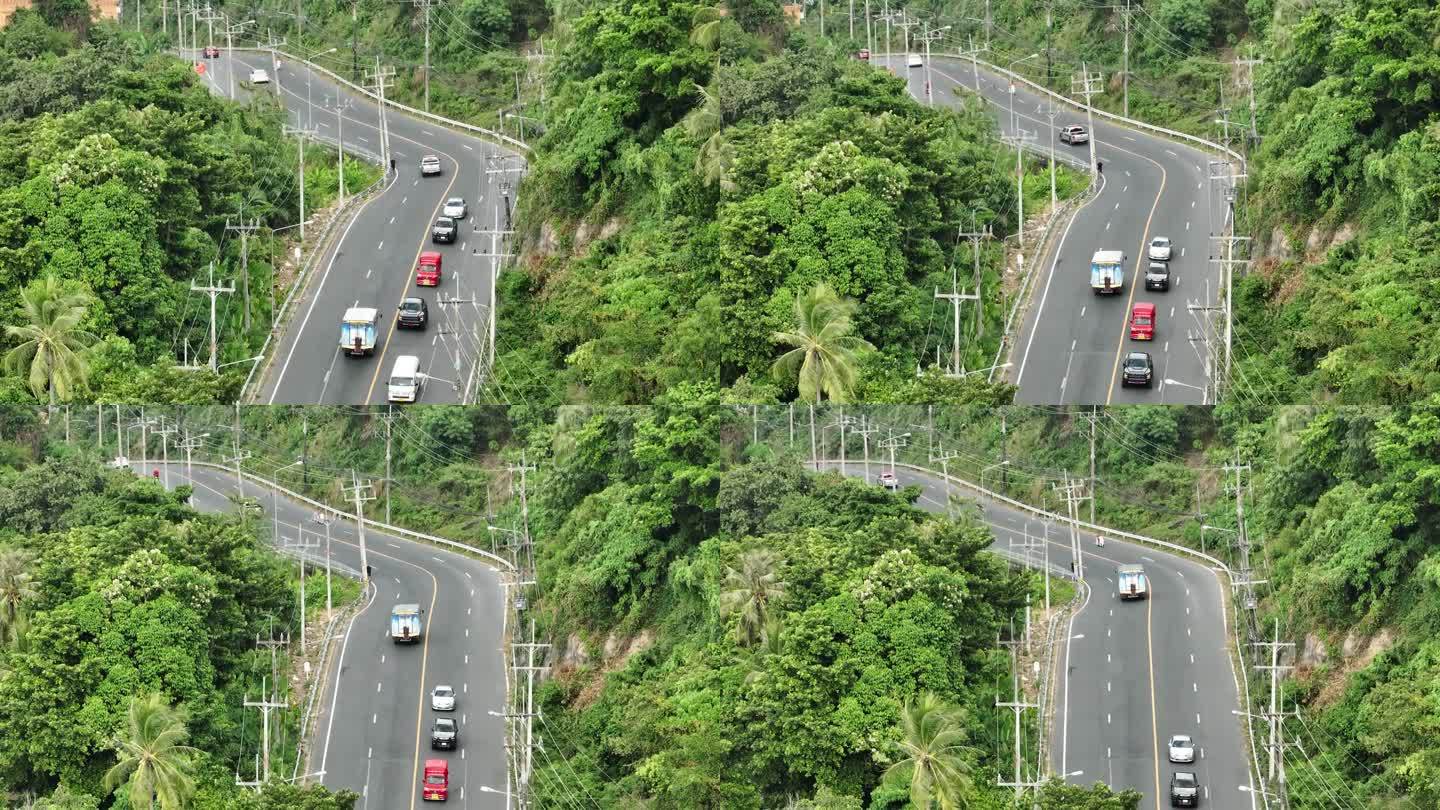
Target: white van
405, 380
915, 60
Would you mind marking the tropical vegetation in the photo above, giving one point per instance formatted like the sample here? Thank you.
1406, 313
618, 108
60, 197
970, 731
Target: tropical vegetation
119, 172
705, 174
127, 627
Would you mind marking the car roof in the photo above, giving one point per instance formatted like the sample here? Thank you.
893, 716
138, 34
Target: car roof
1164, 239
438, 687
1184, 776
455, 199
443, 218
1180, 738
444, 721
1143, 306
430, 157
1138, 356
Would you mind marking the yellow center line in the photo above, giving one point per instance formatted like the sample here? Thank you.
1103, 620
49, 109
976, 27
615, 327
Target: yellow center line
410, 277
1130, 301
1150, 654
420, 708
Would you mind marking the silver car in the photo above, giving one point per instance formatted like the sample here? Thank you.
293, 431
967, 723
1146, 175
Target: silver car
454, 208
1160, 249
889, 481
430, 164
443, 699
1182, 748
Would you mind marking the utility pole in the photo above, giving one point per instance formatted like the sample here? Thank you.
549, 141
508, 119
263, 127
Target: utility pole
1017, 706
265, 705
190, 444
303, 133
1020, 138
974, 54
1244, 580
325, 517
1071, 492
1275, 745
944, 459
213, 291
929, 36
1249, 65
957, 368
425, 7
841, 422
892, 443
866, 428
530, 668
244, 231
1088, 84
340, 108
1222, 172
164, 434
381, 78
360, 494
230, 32
1054, 200
301, 546
814, 457
1092, 418
496, 164
239, 476
1125, 77
389, 419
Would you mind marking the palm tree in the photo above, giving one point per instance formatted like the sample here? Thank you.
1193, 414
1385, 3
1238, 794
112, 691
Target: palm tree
771, 643
705, 26
750, 592
716, 154
825, 354
932, 746
16, 588
53, 346
153, 756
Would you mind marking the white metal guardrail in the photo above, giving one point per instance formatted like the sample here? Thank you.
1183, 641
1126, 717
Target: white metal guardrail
493, 560
449, 122
1130, 122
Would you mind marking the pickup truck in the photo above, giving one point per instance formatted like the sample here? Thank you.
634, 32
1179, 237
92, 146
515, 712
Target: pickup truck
1131, 582
1107, 272
406, 626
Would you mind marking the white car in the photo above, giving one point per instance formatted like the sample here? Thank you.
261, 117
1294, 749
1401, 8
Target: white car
889, 481
430, 164
1159, 249
1182, 748
914, 60
454, 208
442, 699
120, 463
258, 76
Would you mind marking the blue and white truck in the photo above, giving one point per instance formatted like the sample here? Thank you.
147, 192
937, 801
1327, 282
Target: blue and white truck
406, 624
1131, 582
1107, 272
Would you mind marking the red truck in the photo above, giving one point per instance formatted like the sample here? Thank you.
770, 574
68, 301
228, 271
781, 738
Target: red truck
428, 273
437, 780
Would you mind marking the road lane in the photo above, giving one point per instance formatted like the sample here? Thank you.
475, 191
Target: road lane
373, 262
1133, 673
376, 737
1068, 347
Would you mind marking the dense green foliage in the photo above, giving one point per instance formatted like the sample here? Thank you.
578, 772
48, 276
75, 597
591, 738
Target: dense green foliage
698, 177
1353, 144
1342, 506
118, 173
762, 627
116, 589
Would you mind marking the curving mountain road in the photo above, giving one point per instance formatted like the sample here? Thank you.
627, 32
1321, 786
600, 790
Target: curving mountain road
1131, 673
372, 263
373, 730
1069, 348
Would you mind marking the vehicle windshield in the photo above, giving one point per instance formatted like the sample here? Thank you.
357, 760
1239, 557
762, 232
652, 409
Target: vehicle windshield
444, 691
435, 779
1161, 242
1142, 320
1184, 780
402, 382
411, 306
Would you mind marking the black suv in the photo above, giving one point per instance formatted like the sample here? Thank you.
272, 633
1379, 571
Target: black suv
444, 230
1184, 790
1157, 276
412, 314
1137, 370
444, 734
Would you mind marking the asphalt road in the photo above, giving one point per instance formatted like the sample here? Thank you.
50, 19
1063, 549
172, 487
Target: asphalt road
373, 262
373, 731
1069, 348
1132, 673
